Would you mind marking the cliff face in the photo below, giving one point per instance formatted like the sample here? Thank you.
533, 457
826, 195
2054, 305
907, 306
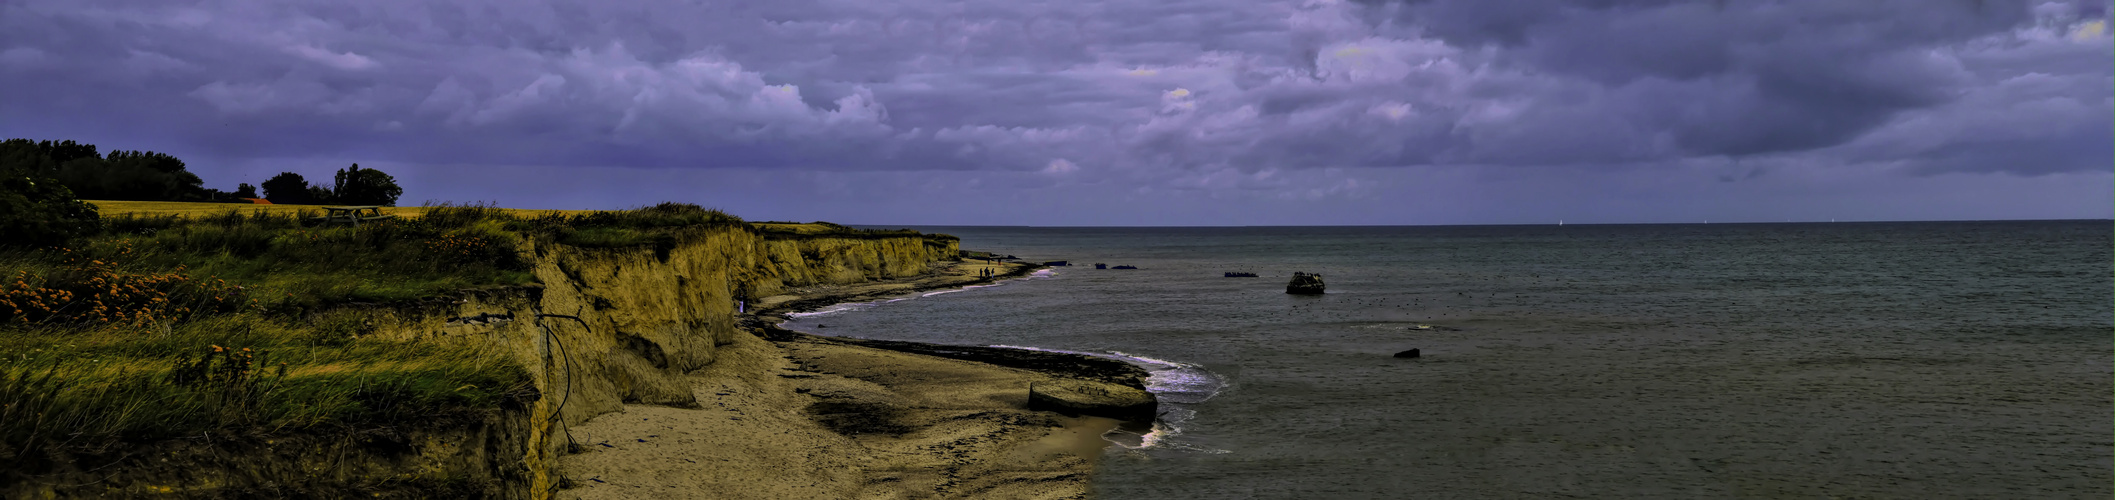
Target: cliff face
606, 326
611, 326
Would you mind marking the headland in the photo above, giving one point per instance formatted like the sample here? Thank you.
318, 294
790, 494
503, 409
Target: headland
479, 352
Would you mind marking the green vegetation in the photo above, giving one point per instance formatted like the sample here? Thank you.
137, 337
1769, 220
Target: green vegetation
164, 326
42, 213
350, 186
782, 229
65, 389
138, 327
121, 175
653, 225
151, 176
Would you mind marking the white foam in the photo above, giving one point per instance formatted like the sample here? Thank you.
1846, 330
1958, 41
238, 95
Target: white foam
1161, 362
965, 289
859, 306
1160, 436
834, 309
1154, 437
1172, 382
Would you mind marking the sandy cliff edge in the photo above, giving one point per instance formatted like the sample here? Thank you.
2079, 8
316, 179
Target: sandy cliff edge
803, 416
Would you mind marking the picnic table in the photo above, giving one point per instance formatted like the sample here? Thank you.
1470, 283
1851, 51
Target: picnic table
352, 215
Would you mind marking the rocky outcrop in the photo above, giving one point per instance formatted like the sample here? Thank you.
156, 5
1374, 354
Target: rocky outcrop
1305, 284
1096, 398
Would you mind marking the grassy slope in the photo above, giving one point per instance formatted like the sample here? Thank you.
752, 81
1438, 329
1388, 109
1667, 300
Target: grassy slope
189, 318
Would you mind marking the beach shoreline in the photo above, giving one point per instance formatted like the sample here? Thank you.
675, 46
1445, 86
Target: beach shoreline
787, 414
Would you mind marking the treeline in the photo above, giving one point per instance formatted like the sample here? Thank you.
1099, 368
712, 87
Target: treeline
151, 176
122, 175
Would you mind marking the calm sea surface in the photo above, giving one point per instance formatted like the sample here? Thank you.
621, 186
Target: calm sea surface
1891, 360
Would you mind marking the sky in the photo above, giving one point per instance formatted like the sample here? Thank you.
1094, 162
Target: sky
1087, 112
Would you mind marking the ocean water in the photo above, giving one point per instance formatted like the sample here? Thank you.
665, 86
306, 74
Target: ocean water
1881, 360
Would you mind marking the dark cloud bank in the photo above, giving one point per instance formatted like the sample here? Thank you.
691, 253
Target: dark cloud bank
1181, 112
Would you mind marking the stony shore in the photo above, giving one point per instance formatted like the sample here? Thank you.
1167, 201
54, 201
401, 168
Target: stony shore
785, 414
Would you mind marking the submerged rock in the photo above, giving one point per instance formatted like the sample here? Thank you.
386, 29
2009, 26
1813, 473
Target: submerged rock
1407, 354
1305, 284
1101, 399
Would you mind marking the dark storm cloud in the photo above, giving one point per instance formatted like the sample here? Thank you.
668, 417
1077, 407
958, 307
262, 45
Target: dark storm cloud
1228, 97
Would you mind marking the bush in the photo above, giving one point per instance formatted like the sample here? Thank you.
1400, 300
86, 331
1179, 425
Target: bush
358, 186
289, 188
40, 212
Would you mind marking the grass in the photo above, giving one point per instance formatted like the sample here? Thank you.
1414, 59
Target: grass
193, 209
655, 225
180, 321
283, 262
187, 319
782, 229
70, 388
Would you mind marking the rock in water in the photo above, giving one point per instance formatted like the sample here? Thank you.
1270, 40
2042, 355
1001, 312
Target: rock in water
1101, 399
1305, 284
1407, 354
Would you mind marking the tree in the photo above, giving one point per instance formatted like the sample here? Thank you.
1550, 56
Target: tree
37, 212
357, 186
26, 157
245, 190
320, 196
120, 175
287, 188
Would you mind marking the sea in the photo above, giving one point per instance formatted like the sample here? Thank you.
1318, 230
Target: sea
1798, 360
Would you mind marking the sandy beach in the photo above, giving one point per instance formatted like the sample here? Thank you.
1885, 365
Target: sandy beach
801, 416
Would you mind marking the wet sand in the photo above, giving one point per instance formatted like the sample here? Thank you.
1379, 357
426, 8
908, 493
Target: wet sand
801, 416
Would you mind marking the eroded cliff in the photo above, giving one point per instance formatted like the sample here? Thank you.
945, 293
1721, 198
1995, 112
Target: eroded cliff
610, 326
603, 327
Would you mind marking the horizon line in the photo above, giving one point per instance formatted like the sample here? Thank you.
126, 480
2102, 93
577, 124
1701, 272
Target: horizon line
1552, 224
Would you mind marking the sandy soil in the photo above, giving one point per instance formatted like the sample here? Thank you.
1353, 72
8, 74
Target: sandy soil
822, 420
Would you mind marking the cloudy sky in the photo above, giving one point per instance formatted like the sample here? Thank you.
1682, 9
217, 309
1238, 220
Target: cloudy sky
1086, 112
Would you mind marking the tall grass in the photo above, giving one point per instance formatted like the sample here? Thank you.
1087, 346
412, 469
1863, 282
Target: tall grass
168, 326
65, 389
627, 228
289, 262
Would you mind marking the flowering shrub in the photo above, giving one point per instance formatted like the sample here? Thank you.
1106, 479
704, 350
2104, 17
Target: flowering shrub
454, 248
85, 290
221, 368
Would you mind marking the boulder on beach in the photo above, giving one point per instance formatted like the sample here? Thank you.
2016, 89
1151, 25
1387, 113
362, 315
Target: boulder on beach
1407, 354
1305, 284
1086, 397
